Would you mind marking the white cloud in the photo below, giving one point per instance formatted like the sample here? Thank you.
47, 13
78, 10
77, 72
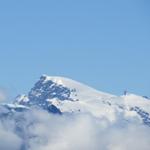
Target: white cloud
8, 139
84, 132
76, 132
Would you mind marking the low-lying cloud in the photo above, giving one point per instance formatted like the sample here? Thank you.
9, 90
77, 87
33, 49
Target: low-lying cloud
8, 139
43, 131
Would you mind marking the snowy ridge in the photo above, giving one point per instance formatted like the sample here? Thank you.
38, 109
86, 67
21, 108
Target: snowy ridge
60, 94
82, 90
132, 100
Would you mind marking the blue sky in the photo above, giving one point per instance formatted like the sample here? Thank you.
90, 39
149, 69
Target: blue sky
103, 43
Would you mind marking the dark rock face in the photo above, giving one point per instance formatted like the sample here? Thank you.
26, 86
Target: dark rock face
44, 90
143, 114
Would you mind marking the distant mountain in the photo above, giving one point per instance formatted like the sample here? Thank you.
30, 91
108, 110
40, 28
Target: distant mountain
65, 97
62, 95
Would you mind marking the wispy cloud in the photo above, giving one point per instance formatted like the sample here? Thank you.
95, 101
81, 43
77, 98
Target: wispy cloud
3, 95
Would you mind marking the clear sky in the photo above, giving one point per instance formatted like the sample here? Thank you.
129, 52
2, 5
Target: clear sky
103, 43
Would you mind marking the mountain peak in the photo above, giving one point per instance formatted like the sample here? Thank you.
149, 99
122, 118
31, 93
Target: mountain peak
56, 79
71, 84
63, 95
60, 88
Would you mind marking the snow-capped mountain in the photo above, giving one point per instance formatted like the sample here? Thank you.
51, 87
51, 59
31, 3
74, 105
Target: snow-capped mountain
62, 95
57, 104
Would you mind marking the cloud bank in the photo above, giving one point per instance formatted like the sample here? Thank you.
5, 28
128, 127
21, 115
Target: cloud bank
39, 130
8, 139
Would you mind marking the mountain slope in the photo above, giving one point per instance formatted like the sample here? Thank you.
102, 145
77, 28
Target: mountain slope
63, 95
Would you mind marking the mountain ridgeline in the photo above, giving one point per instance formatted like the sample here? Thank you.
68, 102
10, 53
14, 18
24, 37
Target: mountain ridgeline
59, 95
